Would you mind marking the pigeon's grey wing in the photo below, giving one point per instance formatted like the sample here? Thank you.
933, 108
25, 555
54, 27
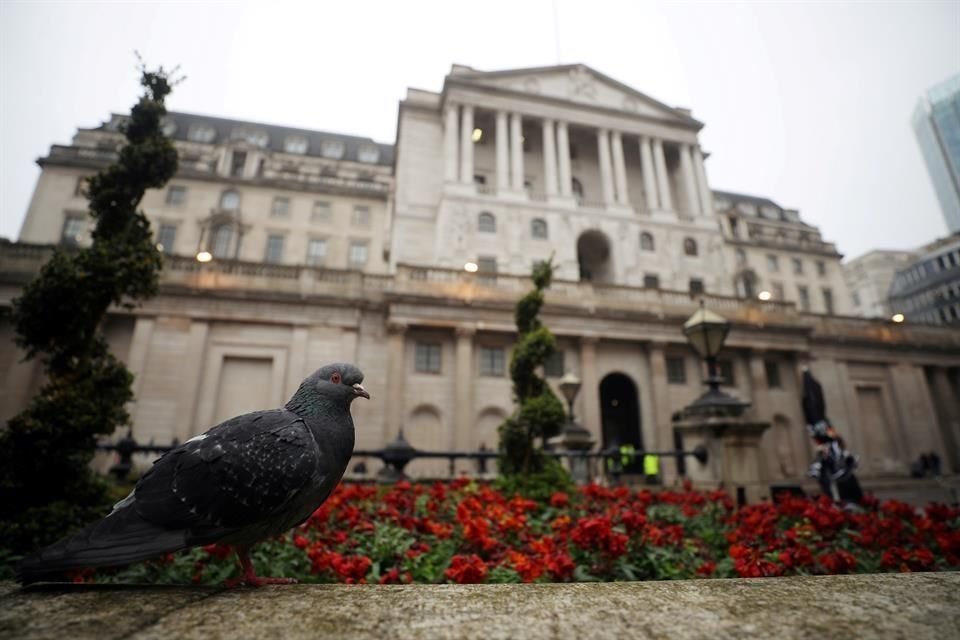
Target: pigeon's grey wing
239, 473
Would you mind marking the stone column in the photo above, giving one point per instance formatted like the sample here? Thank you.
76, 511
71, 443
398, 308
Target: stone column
948, 413
466, 145
649, 175
563, 152
606, 177
703, 187
549, 159
760, 399
619, 168
503, 153
516, 151
450, 133
663, 184
689, 183
590, 389
661, 393
192, 366
139, 347
460, 438
396, 366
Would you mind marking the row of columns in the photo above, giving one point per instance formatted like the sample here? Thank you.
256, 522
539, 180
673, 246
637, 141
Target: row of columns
459, 166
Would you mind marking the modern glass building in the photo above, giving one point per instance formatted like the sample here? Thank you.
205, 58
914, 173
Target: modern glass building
936, 122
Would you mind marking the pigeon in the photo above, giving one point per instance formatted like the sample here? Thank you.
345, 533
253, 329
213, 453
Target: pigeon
254, 476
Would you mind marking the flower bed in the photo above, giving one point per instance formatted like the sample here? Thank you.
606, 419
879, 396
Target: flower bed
467, 532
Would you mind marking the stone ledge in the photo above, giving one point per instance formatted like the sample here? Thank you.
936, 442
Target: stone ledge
911, 606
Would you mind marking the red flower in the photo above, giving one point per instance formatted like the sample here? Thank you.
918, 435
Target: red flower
560, 565
528, 569
838, 562
219, 551
559, 500
598, 533
466, 569
300, 542
706, 569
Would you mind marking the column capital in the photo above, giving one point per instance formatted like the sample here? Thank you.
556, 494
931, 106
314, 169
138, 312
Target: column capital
465, 331
589, 339
397, 326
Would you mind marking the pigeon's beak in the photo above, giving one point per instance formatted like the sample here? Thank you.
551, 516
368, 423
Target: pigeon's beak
360, 391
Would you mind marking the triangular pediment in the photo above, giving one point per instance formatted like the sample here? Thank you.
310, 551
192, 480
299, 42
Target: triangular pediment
575, 83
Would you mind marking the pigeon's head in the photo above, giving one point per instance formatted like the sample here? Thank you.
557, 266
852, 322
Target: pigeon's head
335, 384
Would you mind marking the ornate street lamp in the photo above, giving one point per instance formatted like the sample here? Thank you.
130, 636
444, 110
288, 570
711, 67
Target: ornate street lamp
569, 387
706, 332
574, 437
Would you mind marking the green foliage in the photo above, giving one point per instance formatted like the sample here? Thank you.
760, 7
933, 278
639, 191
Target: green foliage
540, 485
46, 486
539, 413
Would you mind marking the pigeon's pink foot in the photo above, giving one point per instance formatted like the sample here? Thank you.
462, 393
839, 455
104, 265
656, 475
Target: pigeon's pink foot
250, 577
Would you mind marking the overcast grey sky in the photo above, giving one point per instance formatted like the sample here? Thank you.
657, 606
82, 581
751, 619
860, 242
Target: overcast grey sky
806, 103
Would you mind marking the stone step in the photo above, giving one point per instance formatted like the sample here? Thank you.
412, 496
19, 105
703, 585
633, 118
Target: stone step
915, 606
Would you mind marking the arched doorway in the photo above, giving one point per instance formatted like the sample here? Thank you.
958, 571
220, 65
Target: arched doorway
620, 415
593, 254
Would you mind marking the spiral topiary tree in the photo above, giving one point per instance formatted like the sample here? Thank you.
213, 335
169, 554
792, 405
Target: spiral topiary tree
539, 413
46, 485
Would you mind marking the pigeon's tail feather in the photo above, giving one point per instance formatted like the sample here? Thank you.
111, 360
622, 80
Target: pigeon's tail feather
120, 538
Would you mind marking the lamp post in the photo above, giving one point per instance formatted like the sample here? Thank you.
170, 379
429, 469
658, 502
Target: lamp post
716, 422
706, 332
574, 437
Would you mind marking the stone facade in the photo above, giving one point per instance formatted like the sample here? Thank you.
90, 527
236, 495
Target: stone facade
928, 288
498, 169
869, 278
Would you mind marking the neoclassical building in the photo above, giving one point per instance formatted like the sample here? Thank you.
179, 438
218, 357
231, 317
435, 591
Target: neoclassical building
408, 258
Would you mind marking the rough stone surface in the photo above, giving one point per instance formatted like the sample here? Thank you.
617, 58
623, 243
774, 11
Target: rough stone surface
913, 606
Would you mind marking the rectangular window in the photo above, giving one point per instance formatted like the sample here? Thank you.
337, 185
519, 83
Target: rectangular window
176, 196
427, 358
821, 268
828, 301
651, 281
360, 217
73, 229
553, 367
777, 291
725, 369
322, 213
804, 295
676, 370
280, 208
487, 270
316, 252
772, 368
166, 237
696, 286
274, 252
492, 361
773, 264
479, 179
358, 254
237, 163
797, 266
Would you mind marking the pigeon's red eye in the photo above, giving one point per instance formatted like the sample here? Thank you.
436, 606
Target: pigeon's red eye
335, 378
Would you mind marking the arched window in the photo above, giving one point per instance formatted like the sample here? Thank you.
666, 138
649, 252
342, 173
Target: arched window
577, 187
222, 236
230, 200
538, 228
486, 222
689, 246
646, 241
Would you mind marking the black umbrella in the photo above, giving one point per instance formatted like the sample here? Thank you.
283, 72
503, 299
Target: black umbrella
814, 406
